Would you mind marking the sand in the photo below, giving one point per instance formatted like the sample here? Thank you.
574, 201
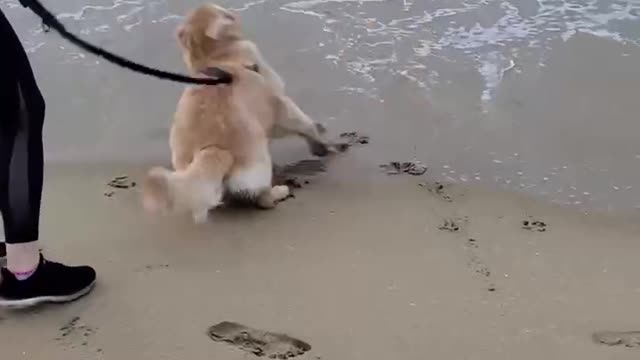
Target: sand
525, 105
356, 266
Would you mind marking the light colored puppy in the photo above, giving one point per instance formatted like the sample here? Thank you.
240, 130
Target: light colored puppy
220, 135
211, 35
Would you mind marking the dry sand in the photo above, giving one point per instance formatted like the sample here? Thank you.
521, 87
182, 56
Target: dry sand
356, 265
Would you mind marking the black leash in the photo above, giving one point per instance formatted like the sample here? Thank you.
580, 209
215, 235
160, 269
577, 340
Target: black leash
50, 21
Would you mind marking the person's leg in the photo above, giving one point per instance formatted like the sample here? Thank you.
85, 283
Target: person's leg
24, 180
21, 166
4, 169
28, 279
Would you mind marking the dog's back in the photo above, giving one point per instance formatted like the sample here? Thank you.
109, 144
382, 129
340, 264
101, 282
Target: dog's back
218, 140
233, 117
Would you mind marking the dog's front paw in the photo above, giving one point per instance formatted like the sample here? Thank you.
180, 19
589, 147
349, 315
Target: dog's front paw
320, 128
319, 149
340, 147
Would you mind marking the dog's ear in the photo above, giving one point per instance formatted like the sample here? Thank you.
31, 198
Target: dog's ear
219, 26
182, 34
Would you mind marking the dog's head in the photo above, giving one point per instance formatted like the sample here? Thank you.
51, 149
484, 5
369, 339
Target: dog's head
206, 29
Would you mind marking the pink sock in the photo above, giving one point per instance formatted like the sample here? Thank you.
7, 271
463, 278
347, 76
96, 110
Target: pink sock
23, 259
24, 275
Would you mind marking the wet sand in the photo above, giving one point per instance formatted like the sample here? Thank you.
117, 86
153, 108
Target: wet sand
359, 267
528, 107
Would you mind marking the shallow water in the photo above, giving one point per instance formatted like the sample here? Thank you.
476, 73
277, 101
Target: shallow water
536, 96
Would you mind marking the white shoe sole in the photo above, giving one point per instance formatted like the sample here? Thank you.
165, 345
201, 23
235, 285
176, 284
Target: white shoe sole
26, 303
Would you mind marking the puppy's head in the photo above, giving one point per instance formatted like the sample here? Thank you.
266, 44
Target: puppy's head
206, 29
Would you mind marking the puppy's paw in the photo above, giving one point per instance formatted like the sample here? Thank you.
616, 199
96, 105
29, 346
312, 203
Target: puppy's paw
320, 128
155, 191
319, 149
280, 192
339, 147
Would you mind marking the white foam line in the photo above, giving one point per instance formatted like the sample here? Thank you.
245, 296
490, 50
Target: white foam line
130, 27
80, 14
354, 90
248, 5
34, 48
131, 13
305, 4
170, 17
405, 74
305, 12
376, 44
512, 65
102, 28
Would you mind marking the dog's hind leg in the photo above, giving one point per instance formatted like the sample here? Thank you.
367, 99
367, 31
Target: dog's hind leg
198, 188
270, 197
202, 184
253, 182
156, 195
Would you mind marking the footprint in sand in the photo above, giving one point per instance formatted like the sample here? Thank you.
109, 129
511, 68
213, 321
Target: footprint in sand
414, 168
118, 183
298, 175
626, 338
478, 265
452, 224
258, 342
74, 334
534, 225
438, 189
153, 267
355, 138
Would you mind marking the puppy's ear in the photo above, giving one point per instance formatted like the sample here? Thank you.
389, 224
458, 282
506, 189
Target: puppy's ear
218, 27
182, 34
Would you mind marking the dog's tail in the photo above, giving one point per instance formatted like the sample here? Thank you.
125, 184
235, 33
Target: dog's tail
198, 188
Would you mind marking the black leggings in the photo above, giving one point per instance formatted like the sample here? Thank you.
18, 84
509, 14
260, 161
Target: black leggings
22, 111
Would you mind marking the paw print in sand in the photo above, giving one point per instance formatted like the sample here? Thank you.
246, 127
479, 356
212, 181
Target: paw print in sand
534, 225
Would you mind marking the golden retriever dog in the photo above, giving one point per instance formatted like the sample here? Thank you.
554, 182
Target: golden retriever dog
220, 136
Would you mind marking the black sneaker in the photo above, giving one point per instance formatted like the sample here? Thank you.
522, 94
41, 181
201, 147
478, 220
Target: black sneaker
51, 283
